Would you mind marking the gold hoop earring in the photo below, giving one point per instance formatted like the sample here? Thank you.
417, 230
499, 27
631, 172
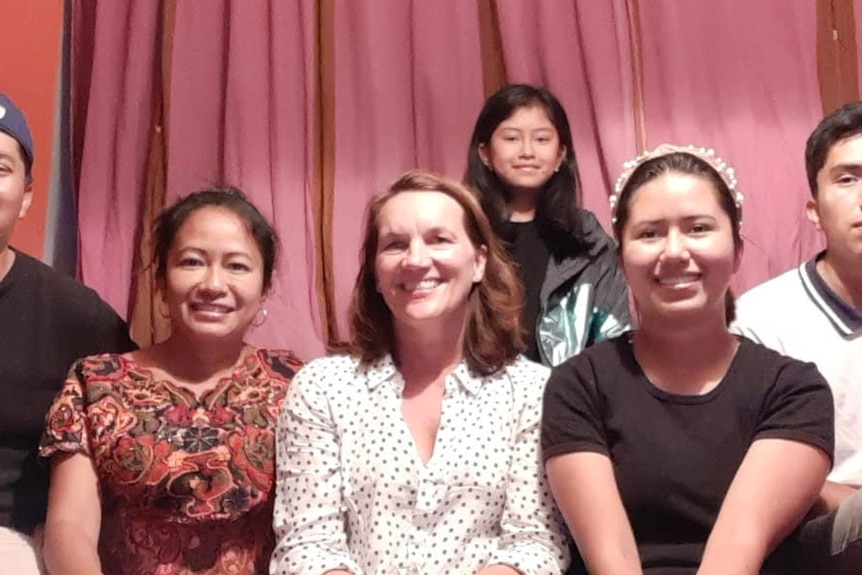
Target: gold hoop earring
263, 313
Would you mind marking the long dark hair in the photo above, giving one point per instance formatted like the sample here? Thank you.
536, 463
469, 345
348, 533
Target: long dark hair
558, 204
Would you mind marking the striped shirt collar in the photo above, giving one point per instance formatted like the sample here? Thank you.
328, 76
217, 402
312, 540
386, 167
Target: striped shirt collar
845, 318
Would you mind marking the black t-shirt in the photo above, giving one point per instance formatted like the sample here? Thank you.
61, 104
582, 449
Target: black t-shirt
47, 321
675, 456
532, 255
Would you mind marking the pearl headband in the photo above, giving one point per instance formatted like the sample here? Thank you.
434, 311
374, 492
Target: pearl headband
725, 171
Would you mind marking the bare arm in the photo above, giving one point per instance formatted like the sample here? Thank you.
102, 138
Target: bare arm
74, 517
773, 489
585, 489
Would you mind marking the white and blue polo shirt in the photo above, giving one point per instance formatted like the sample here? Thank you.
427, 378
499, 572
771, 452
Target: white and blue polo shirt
799, 315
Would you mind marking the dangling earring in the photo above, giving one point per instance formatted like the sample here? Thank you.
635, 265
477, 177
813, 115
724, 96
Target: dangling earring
263, 313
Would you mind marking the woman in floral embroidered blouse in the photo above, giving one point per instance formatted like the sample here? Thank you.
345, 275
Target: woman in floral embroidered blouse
418, 452
163, 458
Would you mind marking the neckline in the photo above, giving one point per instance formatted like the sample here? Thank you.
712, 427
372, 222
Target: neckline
199, 395
681, 398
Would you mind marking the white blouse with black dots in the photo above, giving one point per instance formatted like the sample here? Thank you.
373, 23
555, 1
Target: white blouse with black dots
353, 493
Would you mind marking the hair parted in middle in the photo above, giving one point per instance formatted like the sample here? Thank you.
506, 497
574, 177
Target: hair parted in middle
689, 164
492, 336
229, 198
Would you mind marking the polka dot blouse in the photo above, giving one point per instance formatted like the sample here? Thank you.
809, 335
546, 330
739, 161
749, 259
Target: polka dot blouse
353, 493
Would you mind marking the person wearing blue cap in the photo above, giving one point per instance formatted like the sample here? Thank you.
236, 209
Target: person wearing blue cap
47, 321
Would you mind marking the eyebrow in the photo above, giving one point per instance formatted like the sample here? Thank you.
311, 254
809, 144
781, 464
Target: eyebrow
200, 251
849, 167
515, 129
684, 218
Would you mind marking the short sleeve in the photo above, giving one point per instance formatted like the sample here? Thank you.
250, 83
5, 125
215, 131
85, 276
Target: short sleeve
798, 407
66, 421
572, 415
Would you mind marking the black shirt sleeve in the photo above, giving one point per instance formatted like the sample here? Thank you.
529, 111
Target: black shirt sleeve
798, 407
572, 415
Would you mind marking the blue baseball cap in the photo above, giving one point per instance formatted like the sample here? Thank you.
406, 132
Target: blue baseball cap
13, 122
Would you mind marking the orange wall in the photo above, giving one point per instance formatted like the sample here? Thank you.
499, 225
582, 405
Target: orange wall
30, 39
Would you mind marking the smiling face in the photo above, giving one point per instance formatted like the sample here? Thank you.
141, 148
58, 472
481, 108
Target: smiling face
837, 209
15, 192
677, 249
524, 150
426, 265
214, 276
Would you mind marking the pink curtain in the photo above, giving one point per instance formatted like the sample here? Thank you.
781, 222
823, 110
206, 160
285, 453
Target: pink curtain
741, 77
242, 113
118, 87
244, 107
582, 52
408, 87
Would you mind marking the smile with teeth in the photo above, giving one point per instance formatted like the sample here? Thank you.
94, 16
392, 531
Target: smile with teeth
427, 284
678, 280
210, 308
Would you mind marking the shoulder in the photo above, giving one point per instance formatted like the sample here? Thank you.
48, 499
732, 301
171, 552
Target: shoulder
330, 371
596, 366
773, 369
771, 294
522, 371
608, 353
104, 368
279, 363
46, 279
595, 236
526, 378
67, 304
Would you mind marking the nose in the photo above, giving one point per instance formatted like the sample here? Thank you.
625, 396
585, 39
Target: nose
213, 280
675, 245
527, 148
417, 255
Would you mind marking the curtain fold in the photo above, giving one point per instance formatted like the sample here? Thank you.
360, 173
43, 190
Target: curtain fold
312, 107
582, 52
115, 99
243, 112
408, 87
748, 89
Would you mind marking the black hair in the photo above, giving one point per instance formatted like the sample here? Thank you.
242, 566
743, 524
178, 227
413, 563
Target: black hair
688, 164
841, 124
233, 199
558, 205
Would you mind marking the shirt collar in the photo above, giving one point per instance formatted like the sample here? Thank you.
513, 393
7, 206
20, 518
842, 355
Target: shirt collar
846, 318
384, 369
